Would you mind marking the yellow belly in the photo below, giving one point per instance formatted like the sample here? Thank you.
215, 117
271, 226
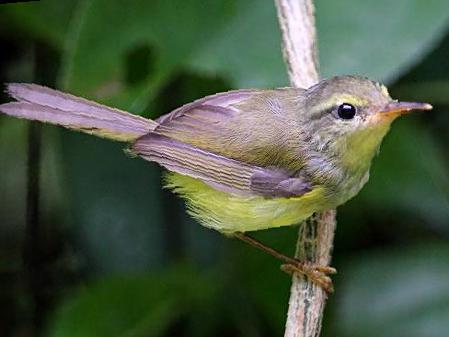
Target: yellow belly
229, 213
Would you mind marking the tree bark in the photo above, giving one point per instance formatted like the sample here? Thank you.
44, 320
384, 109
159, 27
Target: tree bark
316, 235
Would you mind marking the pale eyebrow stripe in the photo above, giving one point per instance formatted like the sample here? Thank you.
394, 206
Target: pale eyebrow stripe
337, 100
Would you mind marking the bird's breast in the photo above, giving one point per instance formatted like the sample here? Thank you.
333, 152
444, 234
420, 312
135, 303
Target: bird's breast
339, 183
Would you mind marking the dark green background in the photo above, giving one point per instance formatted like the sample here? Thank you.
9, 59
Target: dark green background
98, 249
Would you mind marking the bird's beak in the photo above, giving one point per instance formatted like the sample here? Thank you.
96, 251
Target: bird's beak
400, 108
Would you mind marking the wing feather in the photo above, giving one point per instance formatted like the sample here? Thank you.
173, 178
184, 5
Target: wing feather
257, 127
225, 174
43, 104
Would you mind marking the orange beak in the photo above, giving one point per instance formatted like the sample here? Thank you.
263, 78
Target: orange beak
400, 108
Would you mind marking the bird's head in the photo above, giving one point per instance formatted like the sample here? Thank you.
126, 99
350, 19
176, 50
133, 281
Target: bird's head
349, 116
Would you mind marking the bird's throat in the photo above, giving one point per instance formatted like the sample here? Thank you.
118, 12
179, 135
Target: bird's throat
360, 147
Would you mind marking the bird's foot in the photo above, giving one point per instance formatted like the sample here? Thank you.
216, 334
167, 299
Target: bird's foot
317, 274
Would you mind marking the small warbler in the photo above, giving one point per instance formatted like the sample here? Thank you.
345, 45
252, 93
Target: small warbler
246, 160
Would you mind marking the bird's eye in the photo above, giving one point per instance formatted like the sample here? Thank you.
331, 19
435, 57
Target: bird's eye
346, 111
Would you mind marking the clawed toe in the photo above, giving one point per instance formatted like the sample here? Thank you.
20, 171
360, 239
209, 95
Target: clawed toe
326, 269
316, 274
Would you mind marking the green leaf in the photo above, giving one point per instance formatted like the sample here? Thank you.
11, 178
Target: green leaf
46, 19
247, 48
115, 205
133, 306
108, 32
398, 293
379, 39
239, 39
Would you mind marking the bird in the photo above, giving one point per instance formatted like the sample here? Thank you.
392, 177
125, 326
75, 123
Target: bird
248, 159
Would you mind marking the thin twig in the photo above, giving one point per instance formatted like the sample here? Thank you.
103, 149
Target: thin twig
307, 300
316, 235
297, 22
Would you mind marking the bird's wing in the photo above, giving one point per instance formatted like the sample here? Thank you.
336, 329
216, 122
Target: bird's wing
220, 172
256, 127
224, 100
240, 141
209, 123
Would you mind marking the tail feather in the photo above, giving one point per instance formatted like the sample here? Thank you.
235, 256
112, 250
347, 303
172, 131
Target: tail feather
43, 104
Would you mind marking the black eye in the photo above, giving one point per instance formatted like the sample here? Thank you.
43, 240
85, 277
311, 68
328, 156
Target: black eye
346, 111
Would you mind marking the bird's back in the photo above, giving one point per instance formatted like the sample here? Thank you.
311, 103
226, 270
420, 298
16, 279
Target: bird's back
257, 127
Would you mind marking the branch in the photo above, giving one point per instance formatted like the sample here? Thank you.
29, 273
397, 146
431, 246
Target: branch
307, 300
316, 235
297, 22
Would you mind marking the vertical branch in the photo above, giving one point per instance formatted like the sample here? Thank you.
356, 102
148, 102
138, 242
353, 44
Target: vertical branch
316, 235
32, 247
38, 240
307, 300
31, 254
297, 22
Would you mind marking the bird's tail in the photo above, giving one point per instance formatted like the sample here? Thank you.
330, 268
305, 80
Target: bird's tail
35, 102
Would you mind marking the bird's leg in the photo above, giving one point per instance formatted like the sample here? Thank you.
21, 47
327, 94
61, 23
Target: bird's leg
318, 274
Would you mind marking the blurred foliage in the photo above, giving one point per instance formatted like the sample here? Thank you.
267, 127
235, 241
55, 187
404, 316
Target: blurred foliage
130, 306
117, 256
412, 302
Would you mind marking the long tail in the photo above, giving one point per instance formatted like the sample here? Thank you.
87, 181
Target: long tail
35, 102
